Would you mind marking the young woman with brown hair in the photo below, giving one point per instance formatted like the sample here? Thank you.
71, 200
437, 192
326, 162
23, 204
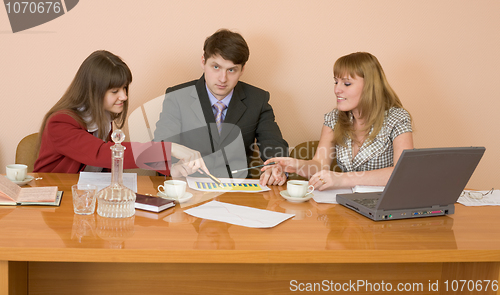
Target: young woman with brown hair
75, 133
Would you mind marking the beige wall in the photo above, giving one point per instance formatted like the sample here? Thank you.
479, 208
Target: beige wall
441, 57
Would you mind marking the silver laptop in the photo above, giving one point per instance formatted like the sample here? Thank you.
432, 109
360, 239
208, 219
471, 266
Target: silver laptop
425, 182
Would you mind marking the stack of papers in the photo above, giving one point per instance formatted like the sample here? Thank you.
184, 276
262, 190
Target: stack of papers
330, 196
491, 199
367, 189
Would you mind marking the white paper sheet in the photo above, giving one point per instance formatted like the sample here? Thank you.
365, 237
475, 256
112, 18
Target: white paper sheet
492, 199
103, 179
229, 185
238, 215
329, 196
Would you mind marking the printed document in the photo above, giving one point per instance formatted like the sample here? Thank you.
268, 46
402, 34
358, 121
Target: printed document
103, 179
238, 215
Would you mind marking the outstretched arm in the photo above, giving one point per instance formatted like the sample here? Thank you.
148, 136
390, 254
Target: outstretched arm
324, 180
190, 161
322, 159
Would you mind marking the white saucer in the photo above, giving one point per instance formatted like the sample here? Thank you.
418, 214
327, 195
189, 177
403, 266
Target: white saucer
187, 196
25, 181
285, 195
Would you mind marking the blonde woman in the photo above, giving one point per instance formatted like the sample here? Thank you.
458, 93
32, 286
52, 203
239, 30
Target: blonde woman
366, 132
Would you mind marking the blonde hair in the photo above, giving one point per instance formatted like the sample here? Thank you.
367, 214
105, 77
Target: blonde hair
377, 96
84, 97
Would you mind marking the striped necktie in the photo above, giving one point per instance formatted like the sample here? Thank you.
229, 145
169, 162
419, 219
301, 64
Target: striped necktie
220, 106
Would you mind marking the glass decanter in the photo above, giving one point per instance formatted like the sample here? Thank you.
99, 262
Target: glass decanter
116, 200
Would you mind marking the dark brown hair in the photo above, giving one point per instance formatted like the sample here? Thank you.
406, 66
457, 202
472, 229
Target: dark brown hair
229, 45
84, 97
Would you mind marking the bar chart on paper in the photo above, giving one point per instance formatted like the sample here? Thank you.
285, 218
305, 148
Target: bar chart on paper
251, 187
227, 185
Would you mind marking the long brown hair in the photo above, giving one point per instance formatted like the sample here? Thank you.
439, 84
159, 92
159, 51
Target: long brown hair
377, 96
84, 97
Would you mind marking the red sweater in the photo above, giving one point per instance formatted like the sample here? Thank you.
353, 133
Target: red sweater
67, 147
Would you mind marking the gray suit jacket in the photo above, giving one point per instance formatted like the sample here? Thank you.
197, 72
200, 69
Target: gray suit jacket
187, 118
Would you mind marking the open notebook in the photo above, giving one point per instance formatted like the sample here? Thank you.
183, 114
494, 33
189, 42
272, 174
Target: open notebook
12, 194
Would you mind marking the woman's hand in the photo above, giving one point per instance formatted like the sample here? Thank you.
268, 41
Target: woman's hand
326, 179
179, 169
190, 161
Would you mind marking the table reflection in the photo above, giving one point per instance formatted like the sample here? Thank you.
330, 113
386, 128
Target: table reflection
300, 210
115, 230
177, 216
213, 235
83, 227
6, 210
349, 230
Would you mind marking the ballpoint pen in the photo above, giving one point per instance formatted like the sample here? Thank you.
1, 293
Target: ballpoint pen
215, 179
239, 170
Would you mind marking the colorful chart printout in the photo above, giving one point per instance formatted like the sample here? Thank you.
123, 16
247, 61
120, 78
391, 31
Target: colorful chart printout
228, 185
251, 187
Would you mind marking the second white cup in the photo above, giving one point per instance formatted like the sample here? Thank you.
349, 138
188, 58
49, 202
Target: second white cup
173, 188
299, 188
16, 172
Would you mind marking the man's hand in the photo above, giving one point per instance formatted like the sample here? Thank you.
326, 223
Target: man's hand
287, 164
274, 175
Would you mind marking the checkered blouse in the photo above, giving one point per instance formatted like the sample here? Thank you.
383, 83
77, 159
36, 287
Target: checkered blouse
377, 154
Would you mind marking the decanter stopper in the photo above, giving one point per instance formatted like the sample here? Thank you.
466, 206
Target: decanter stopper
118, 136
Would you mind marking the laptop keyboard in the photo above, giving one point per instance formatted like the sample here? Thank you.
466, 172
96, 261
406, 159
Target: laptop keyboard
369, 203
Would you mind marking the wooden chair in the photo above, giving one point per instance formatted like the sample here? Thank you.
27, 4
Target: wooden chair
306, 151
26, 152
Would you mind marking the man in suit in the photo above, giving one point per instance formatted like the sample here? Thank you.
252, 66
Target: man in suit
222, 117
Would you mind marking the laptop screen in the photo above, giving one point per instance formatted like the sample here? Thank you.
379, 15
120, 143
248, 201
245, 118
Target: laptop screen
427, 177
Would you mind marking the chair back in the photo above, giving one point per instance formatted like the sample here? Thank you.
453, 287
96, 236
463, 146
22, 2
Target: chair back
26, 152
306, 151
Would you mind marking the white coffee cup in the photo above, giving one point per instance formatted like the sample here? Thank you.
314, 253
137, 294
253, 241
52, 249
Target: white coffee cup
173, 188
299, 188
16, 172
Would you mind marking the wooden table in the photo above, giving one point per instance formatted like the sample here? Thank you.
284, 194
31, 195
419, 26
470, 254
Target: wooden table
50, 250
